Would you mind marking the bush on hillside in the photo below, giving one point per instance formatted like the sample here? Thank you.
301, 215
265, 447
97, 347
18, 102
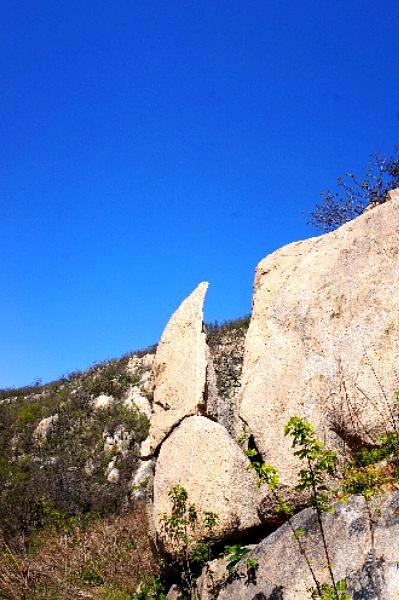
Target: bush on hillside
355, 192
216, 330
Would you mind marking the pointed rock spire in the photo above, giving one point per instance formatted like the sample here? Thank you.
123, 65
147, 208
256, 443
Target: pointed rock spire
180, 368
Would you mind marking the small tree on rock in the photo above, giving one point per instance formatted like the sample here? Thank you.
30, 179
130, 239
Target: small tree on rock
355, 193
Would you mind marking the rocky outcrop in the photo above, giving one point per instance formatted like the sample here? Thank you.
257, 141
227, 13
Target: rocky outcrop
141, 368
218, 408
44, 428
393, 194
201, 456
118, 441
323, 342
141, 479
369, 564
180, 368
112, 472
102, 402
136, 399
227, 348
192, 430
226, 343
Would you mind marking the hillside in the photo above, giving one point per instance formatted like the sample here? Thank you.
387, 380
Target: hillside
195, 470
69, 451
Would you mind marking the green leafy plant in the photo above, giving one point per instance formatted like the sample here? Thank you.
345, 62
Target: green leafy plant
269, 476
372, 468
92, 576
320, 465
330, 592
313, 480
151, 588
369, 472
234, 554
179, 533
252, 563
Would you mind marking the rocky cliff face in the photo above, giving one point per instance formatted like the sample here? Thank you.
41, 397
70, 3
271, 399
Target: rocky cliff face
322, 344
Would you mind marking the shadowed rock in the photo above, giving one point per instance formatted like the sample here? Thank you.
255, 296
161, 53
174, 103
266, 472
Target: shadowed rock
371, 572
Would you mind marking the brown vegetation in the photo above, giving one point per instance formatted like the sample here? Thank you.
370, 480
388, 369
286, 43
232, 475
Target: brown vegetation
106, 560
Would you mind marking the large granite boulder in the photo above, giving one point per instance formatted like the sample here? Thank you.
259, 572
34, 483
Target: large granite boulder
180, 367
371, 570
323, 342
201, 456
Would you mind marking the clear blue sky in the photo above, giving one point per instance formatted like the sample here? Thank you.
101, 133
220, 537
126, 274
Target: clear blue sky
147, 146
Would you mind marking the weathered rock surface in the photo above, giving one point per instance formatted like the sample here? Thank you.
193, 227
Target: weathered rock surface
227, 348
112, 472
117, 442
323, 342
102, 402
142, 478
201, 456
135, 399
371, 573
180, 368
44, 428
140, 367
393, 194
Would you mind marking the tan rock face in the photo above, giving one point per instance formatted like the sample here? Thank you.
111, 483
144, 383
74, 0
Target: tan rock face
134, 399
323, 341
393, 194
44, 428
102, 402
180, 368
201, 456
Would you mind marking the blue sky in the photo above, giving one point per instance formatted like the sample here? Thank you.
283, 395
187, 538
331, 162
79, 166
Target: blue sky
147, 146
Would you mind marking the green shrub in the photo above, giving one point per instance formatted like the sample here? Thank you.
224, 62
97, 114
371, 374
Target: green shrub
29, 414
92, 576
151, 588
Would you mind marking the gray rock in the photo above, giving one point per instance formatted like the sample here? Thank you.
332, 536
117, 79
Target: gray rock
112, 473
141, 479
217, 407
102, 402
371, 573
134, 399
117, 442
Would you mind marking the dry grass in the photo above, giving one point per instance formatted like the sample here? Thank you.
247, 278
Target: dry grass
105, 561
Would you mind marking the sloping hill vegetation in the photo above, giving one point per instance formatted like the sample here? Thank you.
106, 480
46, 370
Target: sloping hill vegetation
70, 523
